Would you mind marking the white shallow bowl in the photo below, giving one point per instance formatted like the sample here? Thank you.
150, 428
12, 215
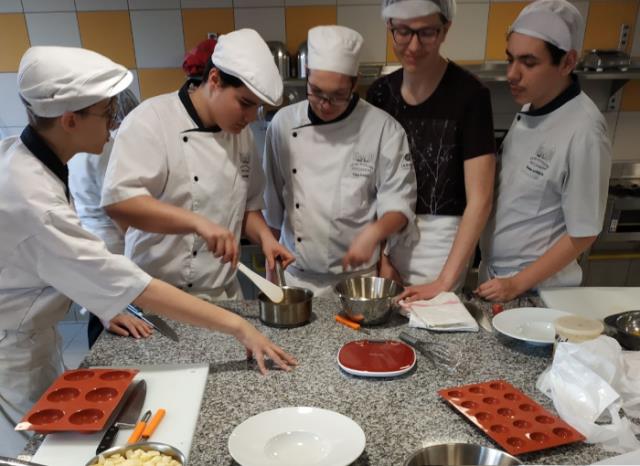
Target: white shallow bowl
296, 436
529, 324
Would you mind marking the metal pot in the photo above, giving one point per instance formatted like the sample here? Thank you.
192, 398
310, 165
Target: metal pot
454, 454
293, 311
281, 57
163, 448
302, 60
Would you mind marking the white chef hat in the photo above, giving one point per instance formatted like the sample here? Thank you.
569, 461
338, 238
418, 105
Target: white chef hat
407, 9
334, 48
53, 80
555, 21
245, 55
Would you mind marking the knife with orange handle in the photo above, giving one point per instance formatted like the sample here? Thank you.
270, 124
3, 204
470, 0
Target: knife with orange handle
140, 426
350, 323
151, 426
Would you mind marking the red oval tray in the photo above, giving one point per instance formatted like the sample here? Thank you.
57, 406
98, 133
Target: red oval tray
513, 420
376, 358
80, 400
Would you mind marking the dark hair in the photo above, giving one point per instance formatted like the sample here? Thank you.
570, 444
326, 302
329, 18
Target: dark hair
354, 79
225, 78
555, 52
35, 121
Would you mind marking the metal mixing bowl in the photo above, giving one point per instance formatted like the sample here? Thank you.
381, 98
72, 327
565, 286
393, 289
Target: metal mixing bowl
625, 327
368, 300
455, 454
145, 446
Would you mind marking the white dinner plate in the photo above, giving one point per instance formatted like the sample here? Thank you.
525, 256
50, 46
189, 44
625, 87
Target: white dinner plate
296, 436
530, 324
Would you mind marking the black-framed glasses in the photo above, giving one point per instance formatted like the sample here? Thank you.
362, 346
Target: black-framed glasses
332, 100
402, 35
110, 114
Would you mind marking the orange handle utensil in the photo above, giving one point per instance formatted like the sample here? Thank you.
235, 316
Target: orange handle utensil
137, 431
151, 427
349, 323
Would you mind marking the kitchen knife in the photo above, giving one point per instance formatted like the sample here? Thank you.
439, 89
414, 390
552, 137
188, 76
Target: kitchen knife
127, 417
479, 315
4, 461
154, 321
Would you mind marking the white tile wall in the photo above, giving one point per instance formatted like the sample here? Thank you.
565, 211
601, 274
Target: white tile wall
206, 3
10, 6
625, 145
53, 29
153, 4
468, 33
157, 38
135, 84
367, 21
48, 5
257, 3
269, 22
12, 111
101, 5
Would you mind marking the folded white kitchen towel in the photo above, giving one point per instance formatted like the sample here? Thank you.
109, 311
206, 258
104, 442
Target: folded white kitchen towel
444, 313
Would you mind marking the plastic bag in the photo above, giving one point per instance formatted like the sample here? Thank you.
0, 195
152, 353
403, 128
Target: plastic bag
587, 380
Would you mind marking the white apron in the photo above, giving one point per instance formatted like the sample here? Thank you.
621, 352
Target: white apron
571, 275
423, 261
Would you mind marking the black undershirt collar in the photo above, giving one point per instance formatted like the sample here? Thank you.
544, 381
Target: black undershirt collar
565, 96
183, 93
39, 148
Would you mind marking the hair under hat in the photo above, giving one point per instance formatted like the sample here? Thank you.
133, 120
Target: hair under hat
53, 80
555, 21
334, 48
408, 9
245, 55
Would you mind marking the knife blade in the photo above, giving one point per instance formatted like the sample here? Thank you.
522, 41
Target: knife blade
479, 315
127, 416
154, 321
4, 461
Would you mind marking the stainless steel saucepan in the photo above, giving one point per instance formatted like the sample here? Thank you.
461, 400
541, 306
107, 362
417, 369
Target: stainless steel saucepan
293, 311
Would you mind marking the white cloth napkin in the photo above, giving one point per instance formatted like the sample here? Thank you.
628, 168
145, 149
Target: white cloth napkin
444, 313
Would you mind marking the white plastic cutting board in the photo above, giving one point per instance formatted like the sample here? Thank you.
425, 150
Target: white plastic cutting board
595, 302
178, 389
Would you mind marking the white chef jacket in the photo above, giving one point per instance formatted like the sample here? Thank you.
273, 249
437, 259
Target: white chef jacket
163, 150
327, 181
46, 260
553, 175
86, 176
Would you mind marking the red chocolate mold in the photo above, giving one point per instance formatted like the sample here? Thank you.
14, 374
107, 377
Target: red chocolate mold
79, 400
513, 420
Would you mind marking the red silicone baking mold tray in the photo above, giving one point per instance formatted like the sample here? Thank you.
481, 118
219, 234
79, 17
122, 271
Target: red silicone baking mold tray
79, 400
512, 419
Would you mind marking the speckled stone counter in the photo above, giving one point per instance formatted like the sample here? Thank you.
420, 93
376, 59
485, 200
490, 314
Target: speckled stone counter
397, 415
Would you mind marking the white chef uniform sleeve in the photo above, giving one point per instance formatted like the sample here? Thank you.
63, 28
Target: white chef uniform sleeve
256, 187
78, 265
585, 189
273, 200
395, 177
139, 163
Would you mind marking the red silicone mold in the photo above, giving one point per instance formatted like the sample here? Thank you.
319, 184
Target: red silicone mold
80, 400
512, 419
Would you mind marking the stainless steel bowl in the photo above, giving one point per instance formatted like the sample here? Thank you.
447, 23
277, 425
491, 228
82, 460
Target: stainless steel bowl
145, 446
368, 300
625, 327
455, 454
294, 310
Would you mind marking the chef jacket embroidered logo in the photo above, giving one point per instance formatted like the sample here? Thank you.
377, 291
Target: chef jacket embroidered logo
245, 165
539, 163
362, 164
407, 161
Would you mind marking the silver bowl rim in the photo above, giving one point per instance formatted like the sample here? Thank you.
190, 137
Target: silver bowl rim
612, 321
461, 444
358, 298
159, 446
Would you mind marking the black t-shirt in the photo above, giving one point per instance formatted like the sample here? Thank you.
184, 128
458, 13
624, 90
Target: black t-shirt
453, 125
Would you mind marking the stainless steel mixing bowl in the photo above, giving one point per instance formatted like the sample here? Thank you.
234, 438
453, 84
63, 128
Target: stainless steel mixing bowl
456, 454
368, 300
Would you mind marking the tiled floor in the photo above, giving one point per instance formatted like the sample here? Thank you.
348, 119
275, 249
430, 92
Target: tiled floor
75, 346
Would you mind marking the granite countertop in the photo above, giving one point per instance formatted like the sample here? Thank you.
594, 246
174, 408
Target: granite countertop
397, 415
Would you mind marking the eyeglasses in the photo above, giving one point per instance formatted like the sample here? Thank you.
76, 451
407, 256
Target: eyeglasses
332, 100
404, 35
110, 114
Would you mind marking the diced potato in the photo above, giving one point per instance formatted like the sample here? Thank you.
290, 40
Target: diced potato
137, 457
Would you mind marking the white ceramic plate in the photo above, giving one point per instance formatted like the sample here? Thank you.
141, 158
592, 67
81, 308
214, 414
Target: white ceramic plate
295, 436
530, 324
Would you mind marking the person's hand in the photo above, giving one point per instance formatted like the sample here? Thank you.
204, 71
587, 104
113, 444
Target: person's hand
387, 270
272, 251
258, 347
425, 291
499, 289
362, 248
220, 241
126, 325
